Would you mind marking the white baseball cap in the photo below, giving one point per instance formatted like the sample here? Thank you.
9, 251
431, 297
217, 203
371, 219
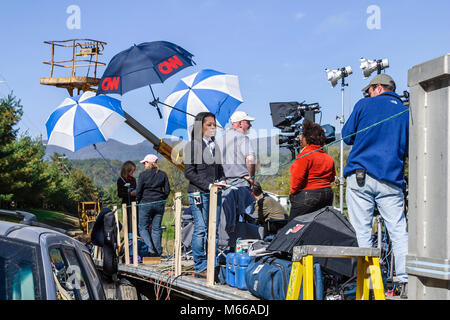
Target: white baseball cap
150, 158
240, 116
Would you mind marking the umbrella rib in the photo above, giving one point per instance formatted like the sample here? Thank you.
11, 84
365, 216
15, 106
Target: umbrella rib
164, 104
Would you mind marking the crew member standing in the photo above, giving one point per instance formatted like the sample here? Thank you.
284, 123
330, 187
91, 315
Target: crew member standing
152, 189
239, 164
375, 167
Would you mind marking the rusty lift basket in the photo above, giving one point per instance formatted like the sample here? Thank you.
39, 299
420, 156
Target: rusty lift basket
85, 54
87, 213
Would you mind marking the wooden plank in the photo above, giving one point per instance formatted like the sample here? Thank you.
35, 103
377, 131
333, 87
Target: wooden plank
135, 231
211, 256
125, 233
333, 252
177, 247
151, 260
95, 252
116, 218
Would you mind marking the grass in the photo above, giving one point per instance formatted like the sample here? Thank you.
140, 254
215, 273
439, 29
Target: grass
52, 218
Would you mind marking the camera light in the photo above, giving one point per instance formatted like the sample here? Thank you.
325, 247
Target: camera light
369, 66
334, 75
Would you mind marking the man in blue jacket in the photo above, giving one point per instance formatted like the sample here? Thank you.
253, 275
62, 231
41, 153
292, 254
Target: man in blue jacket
375, 167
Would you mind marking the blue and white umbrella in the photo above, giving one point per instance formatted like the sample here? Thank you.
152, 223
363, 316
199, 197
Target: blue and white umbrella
84, 120
204, 91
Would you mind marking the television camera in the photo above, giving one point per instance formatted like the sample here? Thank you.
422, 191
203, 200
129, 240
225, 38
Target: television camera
286, 117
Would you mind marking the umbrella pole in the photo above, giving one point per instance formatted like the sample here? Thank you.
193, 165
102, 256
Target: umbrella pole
156, 101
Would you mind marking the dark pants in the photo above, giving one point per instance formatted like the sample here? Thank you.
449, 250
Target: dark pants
307, 201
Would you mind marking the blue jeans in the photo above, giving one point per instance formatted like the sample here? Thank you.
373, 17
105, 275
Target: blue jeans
151, 213
200, 213
389, 200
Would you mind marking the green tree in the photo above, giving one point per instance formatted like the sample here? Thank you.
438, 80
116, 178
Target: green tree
27, 180
26, 172
21, 166
109, 197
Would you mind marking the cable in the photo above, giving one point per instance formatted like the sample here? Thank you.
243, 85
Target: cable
286, 163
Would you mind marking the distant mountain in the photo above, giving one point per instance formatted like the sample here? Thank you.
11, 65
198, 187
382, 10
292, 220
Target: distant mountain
111, 149
116, 150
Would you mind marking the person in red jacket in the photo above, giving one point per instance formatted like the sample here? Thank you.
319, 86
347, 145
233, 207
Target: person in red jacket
312, 173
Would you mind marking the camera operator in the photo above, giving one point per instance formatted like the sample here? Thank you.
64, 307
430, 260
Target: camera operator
126, 187
375, 167
267, 207
311, 175
269, 210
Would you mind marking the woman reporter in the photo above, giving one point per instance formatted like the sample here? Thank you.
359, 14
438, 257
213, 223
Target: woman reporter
202, 167
312, 173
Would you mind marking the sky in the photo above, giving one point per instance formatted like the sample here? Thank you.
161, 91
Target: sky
278, 49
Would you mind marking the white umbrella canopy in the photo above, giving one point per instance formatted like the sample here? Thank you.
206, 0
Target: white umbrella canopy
84, 120
204, 91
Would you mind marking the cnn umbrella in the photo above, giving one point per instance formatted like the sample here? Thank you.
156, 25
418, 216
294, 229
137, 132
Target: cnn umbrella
142, 65
207, 90
84, 120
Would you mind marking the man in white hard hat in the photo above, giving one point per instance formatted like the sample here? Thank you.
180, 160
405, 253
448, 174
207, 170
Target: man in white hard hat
239, 163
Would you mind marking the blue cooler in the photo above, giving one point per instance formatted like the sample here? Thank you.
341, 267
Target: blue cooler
241, 263
230, 273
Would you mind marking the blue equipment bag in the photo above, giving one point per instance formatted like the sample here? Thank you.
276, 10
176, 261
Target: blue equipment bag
267, 277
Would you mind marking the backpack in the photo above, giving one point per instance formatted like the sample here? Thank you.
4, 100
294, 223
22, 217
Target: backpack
104, 234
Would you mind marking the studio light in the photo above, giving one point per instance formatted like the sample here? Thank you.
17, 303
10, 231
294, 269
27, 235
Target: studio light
334, 75
369, 66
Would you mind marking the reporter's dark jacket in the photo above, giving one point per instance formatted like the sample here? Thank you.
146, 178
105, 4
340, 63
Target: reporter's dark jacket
122, 191
200, 167
153, 185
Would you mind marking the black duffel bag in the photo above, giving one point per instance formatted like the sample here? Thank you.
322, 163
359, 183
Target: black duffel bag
327, 227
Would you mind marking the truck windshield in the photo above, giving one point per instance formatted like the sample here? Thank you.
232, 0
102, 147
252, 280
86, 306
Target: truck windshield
20, 272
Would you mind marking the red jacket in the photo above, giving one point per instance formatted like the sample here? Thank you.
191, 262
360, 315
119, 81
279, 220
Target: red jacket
314, 171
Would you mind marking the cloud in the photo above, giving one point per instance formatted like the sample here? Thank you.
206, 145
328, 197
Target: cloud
335, 21
299, 15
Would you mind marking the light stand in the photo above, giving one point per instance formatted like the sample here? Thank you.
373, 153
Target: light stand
333, 77
341, 175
